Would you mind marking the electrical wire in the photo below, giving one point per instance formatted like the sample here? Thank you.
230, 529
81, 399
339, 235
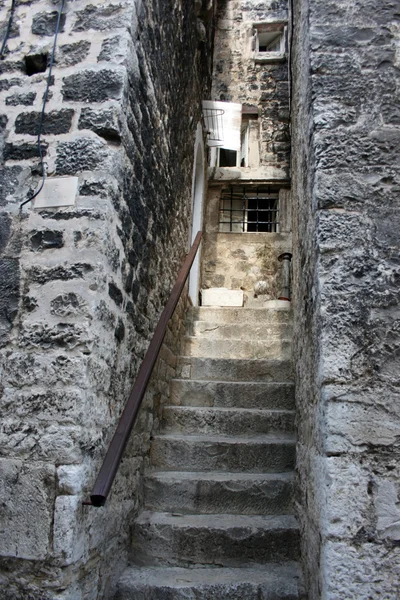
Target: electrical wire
43, 109
7, 34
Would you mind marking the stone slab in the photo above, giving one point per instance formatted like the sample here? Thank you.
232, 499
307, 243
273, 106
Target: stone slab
231, 369
280, 582
225, 421
263, 453
221, 297
249, 394
214, 493
57, 192
227, 540
27, 494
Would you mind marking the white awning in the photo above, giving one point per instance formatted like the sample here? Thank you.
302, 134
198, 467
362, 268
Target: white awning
223, 122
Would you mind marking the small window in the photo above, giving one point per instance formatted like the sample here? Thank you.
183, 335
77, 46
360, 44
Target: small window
227, 158
270, 41
247, 209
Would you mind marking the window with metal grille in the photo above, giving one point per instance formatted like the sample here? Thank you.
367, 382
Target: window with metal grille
249, 209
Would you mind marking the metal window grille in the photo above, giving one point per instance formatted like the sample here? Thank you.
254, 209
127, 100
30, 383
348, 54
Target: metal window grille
249, 209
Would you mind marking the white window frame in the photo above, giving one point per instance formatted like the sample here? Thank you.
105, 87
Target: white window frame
269, 29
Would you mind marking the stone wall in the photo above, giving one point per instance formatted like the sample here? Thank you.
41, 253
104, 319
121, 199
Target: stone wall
234, 260
245, 261
81, 288
346, 206
238, 77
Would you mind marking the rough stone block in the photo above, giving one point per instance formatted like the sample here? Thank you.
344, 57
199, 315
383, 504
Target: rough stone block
42, 275
31, 369
45, 23
21, 99
27, 492
23, 151
69, 535
9, 181
5, 230
9, 295
354, 427
344, 489
103, 122
72, 54
54, 122
93, 85
5, 84
72, 479
387, 509
46, 240
101, 18
69, 304
53, 405
61, 335
115, 293
360, 571
221, 297
113, 49
44, 441
82, 154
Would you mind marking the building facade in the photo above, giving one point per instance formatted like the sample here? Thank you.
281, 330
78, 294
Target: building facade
306, 162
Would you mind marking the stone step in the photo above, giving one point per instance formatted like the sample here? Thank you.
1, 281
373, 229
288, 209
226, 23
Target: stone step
221, 540
231, 394
257, 454
226, 421
225, 315
231, 369
212, 493
237, 348
268, 582
242, 331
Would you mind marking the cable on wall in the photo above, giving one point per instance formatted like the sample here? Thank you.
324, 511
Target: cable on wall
7, 33
43, 109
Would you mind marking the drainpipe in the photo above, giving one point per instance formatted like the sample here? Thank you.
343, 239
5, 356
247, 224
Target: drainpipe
285, 259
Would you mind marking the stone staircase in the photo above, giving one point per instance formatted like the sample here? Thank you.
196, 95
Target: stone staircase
218, 522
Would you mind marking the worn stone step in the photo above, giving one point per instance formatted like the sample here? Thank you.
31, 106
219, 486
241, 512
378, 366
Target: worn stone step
263, 453
227, 421
231, 369
225, 315
231, 394
237, 348
212, 493
242, 331
267, 582
221, 540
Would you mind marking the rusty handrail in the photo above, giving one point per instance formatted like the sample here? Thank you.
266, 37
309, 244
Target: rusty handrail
127, 420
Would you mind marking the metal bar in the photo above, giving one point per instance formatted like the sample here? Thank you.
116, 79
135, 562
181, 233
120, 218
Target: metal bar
127, 420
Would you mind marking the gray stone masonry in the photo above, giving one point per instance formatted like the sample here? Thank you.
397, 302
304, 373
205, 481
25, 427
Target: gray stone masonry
346, 225
81, 288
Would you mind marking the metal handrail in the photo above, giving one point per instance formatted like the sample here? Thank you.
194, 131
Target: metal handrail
127, 420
